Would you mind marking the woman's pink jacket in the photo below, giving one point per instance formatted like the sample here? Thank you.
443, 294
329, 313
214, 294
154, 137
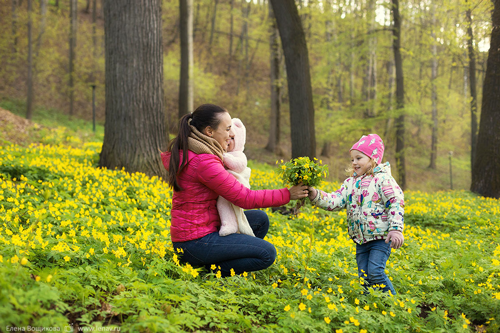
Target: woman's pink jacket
203, 179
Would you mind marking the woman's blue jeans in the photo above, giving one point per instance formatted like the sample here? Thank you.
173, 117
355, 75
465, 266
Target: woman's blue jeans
240, 252
372, 258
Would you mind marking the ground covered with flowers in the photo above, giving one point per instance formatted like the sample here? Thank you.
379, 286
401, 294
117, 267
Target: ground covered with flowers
82, 246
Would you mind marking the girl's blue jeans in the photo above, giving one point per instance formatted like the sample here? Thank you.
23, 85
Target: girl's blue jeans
372, 258
240, 252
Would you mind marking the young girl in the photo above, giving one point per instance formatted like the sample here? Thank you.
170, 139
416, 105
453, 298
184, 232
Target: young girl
375, 208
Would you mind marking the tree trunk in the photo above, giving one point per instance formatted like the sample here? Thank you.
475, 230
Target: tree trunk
43, 23
135, 122
400, 96
212, 30
472, 84
432, 164
14, 25
87, 8
301, 104
29, 109
231, 28
186, 77
274, 130
244, 44
72, 47
485, 175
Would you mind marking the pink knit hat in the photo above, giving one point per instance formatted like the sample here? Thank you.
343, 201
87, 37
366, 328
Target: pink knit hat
372, 146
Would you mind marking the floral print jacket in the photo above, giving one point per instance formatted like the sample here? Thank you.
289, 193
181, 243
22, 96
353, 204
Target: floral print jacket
375, 204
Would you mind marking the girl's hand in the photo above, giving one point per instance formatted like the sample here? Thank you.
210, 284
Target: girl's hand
298, 191
312, 193
396, 238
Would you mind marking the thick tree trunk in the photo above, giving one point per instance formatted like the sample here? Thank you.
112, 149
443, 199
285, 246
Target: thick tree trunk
485, 175
29, 108
72, 47
274, 130
301, 104
400, 96
135, 122
187, 61
432, 164
472, 84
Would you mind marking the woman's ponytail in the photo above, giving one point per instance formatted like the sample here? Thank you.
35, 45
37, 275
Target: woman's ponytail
205, 115
180, 143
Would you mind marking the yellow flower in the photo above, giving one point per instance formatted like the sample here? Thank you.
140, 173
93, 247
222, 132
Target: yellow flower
327, 320
218, 274
366, 307
14, 259
232, 272
363, 331
67, 258
283, 167
305, 177
49, 278
302, 306
392, 314
37, 278
384, 313
213, 267
356, 301
245, 274
339, 331
304, 292
274, 285
309, 297
24, 261
91, 251
287, 308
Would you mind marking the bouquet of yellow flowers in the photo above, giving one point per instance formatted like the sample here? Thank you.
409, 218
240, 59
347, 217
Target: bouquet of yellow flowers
302, 169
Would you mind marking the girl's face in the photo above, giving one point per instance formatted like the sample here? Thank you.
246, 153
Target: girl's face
223, 133
360, 162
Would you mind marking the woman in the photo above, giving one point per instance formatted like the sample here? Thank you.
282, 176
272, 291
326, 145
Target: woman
198, 177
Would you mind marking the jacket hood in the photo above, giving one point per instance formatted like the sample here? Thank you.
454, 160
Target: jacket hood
383, 168
240, 134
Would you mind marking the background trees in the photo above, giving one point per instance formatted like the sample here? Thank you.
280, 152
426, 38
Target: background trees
351, 68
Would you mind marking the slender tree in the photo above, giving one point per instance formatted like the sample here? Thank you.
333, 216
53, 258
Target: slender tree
135, 121
72, 49
472, 84
300, 98
400, 96
231, 28
274, 130
434, 66
14, 25
43, 23
187, 61
29, 109
485, 175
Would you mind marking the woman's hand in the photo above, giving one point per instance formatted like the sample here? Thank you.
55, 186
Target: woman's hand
298, 191
312, 192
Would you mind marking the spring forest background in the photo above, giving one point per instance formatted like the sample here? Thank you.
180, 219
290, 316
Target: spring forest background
85, 240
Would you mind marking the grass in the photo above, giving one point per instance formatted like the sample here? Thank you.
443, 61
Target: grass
86, 247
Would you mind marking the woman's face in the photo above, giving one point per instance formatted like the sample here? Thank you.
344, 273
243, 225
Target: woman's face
223, 133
